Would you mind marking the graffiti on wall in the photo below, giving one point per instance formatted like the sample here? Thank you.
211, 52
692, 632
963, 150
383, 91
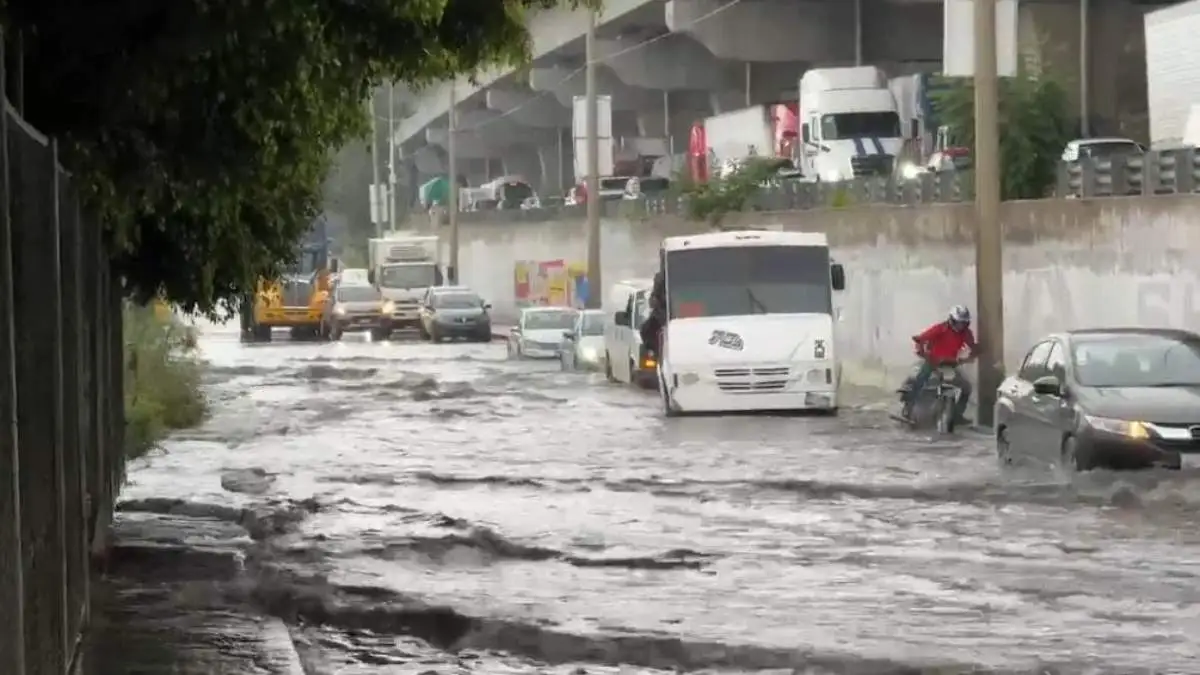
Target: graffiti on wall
550, 283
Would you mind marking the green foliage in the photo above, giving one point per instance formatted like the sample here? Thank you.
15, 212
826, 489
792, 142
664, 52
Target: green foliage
731, 193
200, 131
1035, 124
162, 379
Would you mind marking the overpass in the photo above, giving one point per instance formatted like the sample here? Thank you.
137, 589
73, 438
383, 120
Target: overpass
666, 63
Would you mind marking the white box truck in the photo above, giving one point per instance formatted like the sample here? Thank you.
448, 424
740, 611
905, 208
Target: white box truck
403, 266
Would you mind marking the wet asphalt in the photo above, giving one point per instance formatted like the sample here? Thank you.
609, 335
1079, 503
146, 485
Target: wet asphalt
440, 509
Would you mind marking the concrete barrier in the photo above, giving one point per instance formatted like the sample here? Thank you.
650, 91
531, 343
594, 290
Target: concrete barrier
1127, 261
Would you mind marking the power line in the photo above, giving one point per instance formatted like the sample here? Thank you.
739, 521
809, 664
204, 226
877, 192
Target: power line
579, 71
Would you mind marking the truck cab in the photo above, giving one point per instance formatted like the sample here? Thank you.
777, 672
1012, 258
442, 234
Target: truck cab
849, 124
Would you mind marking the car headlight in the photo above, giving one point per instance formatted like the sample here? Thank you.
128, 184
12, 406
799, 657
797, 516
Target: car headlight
388, 307
910, 171
832, 176
339, 310
1127, 428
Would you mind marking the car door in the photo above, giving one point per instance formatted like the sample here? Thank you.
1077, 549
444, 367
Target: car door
1023, 426
1049, 413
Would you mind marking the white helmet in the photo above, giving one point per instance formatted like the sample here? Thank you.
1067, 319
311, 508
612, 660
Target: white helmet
960, 316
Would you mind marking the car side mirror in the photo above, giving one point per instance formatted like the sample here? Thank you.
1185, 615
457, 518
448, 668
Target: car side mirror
514, 330
370, 276
837, 276
621, 318
487, 305
1047, 385
569, 334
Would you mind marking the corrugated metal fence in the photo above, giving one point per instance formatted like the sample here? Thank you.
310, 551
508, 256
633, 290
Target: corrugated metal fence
61, 402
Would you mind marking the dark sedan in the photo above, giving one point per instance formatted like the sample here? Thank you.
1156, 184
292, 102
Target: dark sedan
455, 312
1116, 398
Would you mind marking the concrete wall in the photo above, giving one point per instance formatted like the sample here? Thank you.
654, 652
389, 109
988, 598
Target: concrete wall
1069, 263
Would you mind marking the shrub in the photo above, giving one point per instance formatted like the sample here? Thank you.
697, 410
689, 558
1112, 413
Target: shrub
162, 378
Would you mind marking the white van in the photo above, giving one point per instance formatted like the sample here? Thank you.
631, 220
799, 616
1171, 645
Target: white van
750, 323
627, 307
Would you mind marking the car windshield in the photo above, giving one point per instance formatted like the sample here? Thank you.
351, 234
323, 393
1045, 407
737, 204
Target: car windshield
1109, 149
741, 280
593, 323
408, 276
549, 319
1136, 361
457, 301
357, 294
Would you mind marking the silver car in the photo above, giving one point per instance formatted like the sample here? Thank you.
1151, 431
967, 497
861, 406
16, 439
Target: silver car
355, 308
539, 331
582, 347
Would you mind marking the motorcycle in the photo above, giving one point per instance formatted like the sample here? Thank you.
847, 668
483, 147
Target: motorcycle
936, 405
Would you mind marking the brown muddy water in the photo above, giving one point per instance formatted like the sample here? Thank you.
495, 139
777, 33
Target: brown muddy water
407, 508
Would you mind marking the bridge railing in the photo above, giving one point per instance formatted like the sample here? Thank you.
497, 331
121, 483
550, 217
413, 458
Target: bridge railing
61, 402
1157, 172
926, 188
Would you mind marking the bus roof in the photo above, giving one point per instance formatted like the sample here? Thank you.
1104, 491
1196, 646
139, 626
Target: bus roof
745, 238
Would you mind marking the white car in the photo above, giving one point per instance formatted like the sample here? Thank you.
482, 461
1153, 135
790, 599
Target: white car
539, 331
582, 347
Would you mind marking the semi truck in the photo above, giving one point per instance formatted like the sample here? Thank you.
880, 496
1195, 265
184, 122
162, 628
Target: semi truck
296, 299
849, 124
403, 266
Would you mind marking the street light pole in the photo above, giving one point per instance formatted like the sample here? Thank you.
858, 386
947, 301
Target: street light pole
376, 196
989, 238
595, 294
452, 197
393, 197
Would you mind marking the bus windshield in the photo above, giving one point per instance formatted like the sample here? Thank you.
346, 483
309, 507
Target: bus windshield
741, 280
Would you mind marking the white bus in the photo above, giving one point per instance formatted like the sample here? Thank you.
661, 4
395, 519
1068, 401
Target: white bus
750, 324
625, 360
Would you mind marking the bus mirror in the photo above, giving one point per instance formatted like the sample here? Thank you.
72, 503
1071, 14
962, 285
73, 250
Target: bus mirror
371, 276
621, 318
837, 276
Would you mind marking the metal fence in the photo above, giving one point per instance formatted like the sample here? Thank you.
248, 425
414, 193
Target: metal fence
926, 188
61, 402
1158, 172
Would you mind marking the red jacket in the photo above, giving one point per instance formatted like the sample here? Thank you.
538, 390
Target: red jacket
943, 344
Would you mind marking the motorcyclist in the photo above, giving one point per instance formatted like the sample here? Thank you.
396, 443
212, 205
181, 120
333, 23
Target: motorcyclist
653, 324
942, 344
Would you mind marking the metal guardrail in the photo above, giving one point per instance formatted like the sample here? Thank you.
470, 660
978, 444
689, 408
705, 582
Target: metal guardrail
789, 195
61, 402
1158, 172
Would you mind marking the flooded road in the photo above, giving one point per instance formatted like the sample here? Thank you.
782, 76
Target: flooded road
468, 514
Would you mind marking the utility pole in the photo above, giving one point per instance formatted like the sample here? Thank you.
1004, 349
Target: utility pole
393, 198
1085, 67
376, 197
989, 239
452, 197
594, 278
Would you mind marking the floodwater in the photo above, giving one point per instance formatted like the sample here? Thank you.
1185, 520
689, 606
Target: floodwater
438, 509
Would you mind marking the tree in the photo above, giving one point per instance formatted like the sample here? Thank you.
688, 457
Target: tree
1034, 127
732, 192
200, 131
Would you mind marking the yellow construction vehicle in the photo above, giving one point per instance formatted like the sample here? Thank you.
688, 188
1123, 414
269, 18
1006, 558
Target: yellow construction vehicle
296, 300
